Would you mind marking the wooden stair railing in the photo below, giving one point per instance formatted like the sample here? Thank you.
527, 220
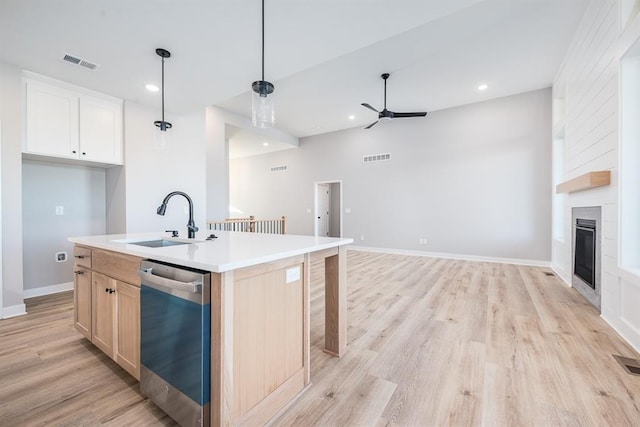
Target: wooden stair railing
251, 225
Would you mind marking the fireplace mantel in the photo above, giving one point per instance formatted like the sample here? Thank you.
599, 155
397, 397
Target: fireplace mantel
585, 182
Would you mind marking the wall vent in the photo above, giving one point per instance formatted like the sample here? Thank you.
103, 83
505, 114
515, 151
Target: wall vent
282, 168
376, 158
73, 59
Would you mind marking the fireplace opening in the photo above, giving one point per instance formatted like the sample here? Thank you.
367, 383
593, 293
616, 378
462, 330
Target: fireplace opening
585, 251
586, 236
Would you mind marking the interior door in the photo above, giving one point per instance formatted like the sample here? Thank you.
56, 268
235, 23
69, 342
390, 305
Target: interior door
324, 194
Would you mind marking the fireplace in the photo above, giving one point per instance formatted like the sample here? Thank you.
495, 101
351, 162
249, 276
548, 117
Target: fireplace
584, 261
586, 238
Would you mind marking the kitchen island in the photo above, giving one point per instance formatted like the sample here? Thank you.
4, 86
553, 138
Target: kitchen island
259, 309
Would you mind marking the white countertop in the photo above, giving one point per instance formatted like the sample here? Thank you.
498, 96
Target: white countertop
230, 251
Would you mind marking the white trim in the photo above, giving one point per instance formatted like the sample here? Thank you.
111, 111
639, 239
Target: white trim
560, 273
624, 336
1, 241
14, 311
516, 261
48, 290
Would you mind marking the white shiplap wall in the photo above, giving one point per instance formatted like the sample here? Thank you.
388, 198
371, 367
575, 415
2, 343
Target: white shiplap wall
587, 119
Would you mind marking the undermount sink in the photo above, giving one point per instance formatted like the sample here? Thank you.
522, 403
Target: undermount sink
159, 243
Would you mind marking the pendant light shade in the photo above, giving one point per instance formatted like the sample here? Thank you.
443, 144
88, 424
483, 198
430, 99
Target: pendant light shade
162, 132
263, 113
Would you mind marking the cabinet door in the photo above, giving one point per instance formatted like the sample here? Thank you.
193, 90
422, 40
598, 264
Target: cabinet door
82, 300
100, 130
103, 306
128, 321
52, 121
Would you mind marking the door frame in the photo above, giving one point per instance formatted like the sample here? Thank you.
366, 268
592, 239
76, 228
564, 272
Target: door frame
315, 203
1, 241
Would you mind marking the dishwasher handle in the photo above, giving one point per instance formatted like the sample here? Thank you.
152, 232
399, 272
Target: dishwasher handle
151, 279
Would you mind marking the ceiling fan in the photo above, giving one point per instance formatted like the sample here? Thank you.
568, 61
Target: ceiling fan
388, 114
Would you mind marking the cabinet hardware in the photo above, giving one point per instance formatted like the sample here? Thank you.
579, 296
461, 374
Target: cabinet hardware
79, 272
74, 151
106, 290
79, 256
84, 154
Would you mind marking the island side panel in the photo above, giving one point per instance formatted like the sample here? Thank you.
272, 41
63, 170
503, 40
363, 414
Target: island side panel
307, 320
221, 348
259, 360
335, 309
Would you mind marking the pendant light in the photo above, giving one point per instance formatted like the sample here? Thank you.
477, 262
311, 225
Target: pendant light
262, 108
162, 133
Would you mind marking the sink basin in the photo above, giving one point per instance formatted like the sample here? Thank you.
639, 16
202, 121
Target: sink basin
159, 243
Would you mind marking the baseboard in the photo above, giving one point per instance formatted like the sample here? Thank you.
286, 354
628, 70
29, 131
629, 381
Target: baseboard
14, 311
560, 273
48, 290
622, 334
516, 261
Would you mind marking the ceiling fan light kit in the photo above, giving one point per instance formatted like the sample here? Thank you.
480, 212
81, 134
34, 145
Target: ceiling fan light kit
161, 133
262, 106
388, 114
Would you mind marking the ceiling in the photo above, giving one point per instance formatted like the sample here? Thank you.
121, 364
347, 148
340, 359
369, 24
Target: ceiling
325, 57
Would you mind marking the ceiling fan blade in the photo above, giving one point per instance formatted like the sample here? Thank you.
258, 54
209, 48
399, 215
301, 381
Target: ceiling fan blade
371, 125
416, 114
364, 104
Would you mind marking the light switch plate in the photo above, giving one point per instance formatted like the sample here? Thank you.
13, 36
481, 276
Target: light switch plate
293, 274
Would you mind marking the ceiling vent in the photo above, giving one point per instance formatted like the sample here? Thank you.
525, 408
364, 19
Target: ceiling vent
72, 59
376, 158
279, 168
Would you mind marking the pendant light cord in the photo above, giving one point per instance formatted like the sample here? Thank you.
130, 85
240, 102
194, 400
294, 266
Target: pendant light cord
385, 94
262, 40
163, 89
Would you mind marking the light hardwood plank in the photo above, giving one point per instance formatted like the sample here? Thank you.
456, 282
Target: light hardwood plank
430, 342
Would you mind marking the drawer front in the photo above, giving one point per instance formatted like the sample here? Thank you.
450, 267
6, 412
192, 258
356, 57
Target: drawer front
82, 256
119, 266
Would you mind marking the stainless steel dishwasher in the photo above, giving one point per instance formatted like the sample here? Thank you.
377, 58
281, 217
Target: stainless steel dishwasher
175, 338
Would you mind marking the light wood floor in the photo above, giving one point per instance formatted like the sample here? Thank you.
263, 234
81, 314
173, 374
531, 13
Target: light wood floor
432, 342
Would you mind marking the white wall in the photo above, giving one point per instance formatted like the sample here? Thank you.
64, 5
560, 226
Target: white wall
217, 154
587, 82
473, 180
150, 173
11, 117
80, 191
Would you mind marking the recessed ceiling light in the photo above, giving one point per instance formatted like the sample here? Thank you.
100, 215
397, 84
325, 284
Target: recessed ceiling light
352, 117
152, 88
265, 144
483, 86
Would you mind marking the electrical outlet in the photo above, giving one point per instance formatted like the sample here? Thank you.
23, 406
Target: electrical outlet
347, 210
422, 241
362, 237
293, 274
59, 210
308, 210
61, 256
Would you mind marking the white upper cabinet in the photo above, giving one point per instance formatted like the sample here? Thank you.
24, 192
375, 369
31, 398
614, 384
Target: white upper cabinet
52, 121
100, 130
66, 122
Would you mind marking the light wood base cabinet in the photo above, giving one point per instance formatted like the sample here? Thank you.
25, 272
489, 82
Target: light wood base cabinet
128, 324
82, 300
103, 308
107, 310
